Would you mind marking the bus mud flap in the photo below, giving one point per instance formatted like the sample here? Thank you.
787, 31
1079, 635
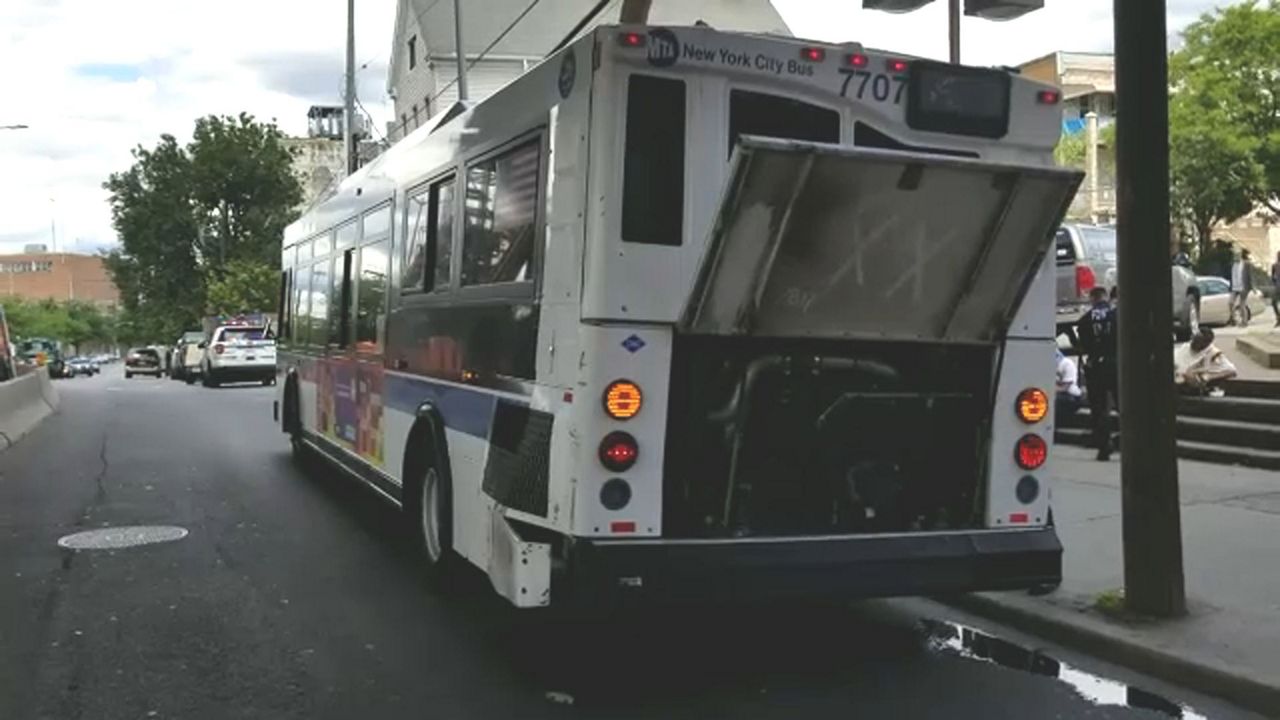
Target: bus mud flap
519, 570
831, 241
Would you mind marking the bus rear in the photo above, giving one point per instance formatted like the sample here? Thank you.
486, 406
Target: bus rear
817, 309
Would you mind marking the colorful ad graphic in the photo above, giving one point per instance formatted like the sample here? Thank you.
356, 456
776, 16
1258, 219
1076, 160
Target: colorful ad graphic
369, 435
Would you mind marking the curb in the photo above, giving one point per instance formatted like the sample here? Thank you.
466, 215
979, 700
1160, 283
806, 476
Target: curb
1244, 691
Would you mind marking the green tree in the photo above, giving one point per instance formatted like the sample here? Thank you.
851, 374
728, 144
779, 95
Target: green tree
244, 189
195, 217
1213, 174
156, 267
244, 286
1230, 63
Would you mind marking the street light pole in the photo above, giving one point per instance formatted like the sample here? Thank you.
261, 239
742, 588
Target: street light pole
1152, 523
953, 27
349, 95
460, 51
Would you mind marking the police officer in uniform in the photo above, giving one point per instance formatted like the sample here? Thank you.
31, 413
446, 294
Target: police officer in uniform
1097, 333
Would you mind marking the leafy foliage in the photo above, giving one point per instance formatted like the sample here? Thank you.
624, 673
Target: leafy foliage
1229, 68
76, 322
243, 285
1213, 173
200, 225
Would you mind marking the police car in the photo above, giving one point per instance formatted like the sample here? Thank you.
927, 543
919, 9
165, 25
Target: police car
239, 351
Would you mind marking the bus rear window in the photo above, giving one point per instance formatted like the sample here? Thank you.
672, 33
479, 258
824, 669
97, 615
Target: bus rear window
653, 170
752, 113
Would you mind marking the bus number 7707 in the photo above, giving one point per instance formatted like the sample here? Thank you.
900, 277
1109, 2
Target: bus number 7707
880, 85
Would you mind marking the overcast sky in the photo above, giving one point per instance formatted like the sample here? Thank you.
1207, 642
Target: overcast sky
94, 78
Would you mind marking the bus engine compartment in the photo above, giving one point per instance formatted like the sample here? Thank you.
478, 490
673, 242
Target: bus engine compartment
776, 437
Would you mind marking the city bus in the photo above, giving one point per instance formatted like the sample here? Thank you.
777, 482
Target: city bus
684, 315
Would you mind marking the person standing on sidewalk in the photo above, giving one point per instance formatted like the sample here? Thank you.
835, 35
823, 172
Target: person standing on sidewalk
1241, 284
1275, 288
1097, 332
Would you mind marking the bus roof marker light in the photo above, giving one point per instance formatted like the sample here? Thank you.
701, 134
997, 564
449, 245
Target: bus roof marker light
896, 66
1048, 97
813, 54
857, 60
632, 39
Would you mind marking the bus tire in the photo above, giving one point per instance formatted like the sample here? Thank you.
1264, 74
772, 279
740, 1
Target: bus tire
291, 422
428, 508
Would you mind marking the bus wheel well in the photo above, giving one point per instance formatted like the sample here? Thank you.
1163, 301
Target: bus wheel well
428, 494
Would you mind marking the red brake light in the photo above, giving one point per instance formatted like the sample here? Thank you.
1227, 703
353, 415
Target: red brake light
1032, 452
218, 348
1085, 280
1048, 97
813, 54
896, 66
857, 60
632, 39
618, 451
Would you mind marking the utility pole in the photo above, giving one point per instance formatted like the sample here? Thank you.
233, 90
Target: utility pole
53, 225
349, 97
459, 51
635, 12
953, 30
1152, 521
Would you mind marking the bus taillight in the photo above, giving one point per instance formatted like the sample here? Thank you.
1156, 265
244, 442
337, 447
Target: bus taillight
622, 399
1032, 452
618, 451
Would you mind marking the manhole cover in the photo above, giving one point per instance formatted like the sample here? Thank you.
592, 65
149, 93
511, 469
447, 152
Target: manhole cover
121, 537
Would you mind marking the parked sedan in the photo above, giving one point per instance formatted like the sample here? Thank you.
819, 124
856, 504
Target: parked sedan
143, 361
1215, 303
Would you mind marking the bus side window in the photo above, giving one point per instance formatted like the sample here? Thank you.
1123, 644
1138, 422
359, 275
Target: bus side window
653, 166
752, 113
371, 294
430, 247
300, 324
319, 303
499, 225
337, 300
283, 302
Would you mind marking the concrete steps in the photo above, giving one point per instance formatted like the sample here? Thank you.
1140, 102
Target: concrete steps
1242, 428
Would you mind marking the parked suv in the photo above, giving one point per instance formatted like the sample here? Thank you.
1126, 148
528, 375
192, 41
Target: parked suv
1086, 258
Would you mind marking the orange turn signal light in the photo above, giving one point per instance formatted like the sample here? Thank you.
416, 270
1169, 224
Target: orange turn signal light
622, 399
1033, 405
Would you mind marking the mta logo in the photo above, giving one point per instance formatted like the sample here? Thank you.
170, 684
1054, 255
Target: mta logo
664, 48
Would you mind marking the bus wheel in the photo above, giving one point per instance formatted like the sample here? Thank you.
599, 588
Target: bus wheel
430, 512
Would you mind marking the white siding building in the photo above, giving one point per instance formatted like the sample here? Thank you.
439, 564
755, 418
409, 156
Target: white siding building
421, 79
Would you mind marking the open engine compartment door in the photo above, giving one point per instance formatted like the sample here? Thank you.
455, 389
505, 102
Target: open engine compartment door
828, 241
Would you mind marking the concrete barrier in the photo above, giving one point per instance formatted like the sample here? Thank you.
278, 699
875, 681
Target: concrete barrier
24, 402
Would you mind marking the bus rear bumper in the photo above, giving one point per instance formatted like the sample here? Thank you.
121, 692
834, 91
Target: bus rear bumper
812, 568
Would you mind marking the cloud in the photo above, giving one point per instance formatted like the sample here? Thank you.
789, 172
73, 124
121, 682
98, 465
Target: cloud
95, 78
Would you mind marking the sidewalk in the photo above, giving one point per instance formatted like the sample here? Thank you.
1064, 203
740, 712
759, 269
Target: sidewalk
1262, 324
1229, 644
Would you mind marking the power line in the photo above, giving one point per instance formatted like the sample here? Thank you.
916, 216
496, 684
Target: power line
372, 125
484, 52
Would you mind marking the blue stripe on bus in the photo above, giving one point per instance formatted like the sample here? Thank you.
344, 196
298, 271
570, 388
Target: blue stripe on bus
463, 409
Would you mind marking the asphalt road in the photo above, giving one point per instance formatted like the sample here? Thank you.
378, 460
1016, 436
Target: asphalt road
294, 596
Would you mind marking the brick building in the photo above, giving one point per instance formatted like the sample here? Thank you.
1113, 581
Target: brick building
60, 276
